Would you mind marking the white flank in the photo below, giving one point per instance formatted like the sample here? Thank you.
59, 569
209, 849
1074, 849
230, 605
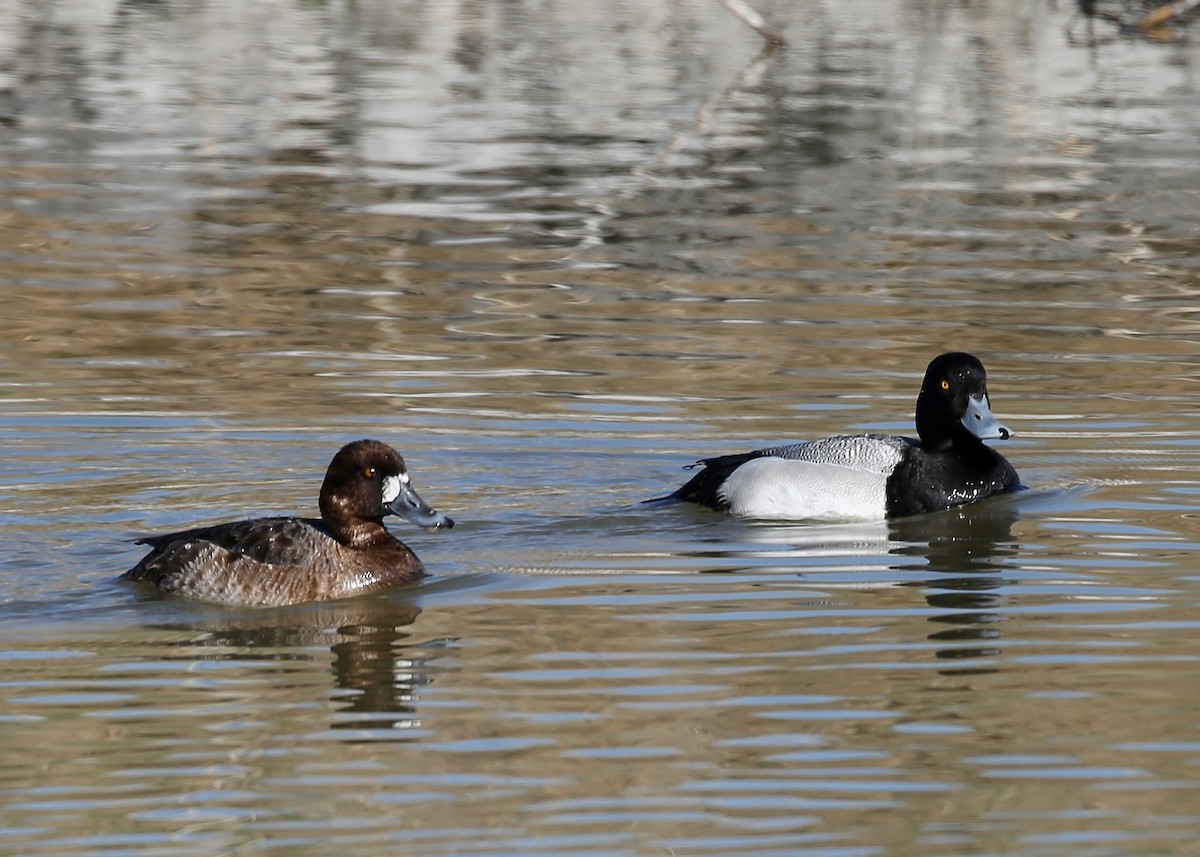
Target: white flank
785, 489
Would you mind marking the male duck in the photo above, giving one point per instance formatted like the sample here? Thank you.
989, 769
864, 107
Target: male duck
873, 476
276, 561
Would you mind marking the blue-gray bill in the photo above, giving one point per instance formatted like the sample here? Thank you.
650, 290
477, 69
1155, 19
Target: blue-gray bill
981, 422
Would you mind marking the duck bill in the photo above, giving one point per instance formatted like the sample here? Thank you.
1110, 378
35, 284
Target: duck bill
981, 422
407, 503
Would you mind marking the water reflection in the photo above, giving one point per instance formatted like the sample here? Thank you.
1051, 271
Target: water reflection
968, 539
377, 677
960, 559
1104, 22
555, 249
968, 548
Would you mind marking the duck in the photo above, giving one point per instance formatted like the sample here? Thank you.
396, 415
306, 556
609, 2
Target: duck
279, 561
872, 476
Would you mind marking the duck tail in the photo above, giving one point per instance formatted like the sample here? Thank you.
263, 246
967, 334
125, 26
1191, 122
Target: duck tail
704, 487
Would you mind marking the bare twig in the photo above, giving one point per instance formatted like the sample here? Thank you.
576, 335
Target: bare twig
756, 22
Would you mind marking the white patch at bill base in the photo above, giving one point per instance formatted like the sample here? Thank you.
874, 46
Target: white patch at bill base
391, 487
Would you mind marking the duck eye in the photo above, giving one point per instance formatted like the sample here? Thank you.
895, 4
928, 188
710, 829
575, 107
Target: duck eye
369, 472
945, 385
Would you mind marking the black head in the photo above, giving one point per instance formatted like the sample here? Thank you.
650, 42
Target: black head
367, 480
954, 398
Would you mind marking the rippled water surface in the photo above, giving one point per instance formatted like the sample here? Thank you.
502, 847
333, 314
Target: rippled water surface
554, 251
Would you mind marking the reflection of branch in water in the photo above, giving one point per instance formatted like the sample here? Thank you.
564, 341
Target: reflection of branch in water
1166, 13
705, 114
755, 21
591, 228
1132, 18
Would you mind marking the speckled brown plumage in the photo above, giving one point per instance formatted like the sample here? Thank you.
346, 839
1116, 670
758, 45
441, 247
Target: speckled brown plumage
286, 560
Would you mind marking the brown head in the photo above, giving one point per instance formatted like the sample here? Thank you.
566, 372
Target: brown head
365, 482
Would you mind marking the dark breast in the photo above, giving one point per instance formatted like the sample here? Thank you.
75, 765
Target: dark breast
930, 481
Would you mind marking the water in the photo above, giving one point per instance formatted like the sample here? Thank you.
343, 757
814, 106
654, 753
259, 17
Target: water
554, 252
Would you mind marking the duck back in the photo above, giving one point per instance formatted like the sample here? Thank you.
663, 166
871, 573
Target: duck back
271, 561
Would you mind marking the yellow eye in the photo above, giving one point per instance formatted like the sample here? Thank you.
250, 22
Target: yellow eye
369, 472
945, 384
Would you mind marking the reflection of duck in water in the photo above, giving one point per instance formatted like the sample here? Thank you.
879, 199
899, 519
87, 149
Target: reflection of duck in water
377, 667
275, 561
965, 553
873, 476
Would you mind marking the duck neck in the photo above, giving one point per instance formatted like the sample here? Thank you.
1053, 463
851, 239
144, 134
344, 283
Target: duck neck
352, 530
938, 435
362, 534
972, 451
933, 432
